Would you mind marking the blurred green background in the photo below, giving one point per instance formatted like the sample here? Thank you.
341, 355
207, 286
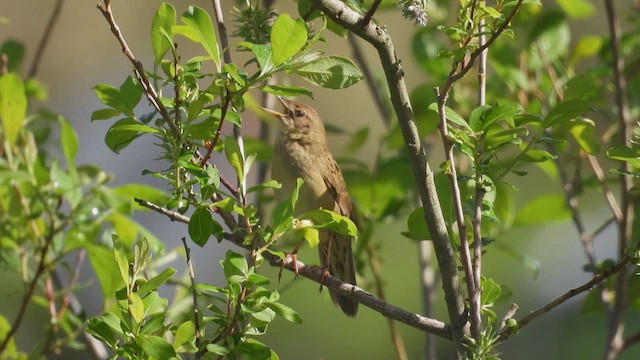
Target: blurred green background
82, 53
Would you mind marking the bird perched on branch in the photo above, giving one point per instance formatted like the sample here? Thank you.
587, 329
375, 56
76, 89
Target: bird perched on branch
301, 151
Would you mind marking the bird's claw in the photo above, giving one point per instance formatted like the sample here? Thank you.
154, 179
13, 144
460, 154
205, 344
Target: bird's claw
325, 276
289, 258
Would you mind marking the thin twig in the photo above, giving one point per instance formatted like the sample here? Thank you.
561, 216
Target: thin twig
602, 181
396, 338
194, 292
140, 73
237, 131
465, 254
615, 338
428, 279
369, 15
508, 315
44, 40
566, 296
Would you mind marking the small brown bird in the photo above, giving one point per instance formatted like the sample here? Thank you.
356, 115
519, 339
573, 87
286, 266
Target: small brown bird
302, 152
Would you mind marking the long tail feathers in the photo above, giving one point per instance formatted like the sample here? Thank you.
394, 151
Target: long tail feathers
341, 265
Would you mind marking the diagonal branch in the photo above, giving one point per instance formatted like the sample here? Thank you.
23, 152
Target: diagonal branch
566, 296
316, 274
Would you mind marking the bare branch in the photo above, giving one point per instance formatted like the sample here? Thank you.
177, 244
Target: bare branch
566, 296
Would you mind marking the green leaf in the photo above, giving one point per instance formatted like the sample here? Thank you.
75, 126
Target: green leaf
69, 141
417, 226
136, 307
288, 36
235, 267
200, 24
155, 282
201, 225
325, 219
332, 72
100, 330
586, 47
15, 54
232, 151
253, 349
217, 349
282, 217
577, 9
103, 263
156, 346
452, 116
13, 105
582, 86
565, 111
186, 333
537, 156
543, 209
622, 153
490, 291
117, 139
286, 312
584, 131
123, 99
500, 112
163, 20
121, 259
284, 90
104, 114
269, 184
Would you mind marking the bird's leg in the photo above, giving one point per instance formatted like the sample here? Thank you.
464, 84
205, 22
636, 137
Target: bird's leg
291, 257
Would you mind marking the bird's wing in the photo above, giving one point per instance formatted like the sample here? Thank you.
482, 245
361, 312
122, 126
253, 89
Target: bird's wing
335, 183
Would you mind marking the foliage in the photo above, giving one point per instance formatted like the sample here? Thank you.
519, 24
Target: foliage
554, 118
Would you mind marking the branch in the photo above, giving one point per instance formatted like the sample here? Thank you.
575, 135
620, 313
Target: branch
26, 299
566, 296
317, 275
615, 341
378, 37
141, 74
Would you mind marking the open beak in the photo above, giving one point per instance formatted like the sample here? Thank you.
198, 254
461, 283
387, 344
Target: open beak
277, 115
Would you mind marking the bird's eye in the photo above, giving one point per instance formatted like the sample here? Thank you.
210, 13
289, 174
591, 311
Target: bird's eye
299, 113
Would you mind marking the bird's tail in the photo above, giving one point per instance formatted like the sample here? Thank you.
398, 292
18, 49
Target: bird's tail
340, 264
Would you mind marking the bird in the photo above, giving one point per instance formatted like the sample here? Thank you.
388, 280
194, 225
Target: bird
301, 151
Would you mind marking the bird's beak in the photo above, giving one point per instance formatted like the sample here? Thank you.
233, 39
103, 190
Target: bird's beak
276, 114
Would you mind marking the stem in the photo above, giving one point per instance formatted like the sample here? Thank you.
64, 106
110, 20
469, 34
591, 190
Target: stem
44, 40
